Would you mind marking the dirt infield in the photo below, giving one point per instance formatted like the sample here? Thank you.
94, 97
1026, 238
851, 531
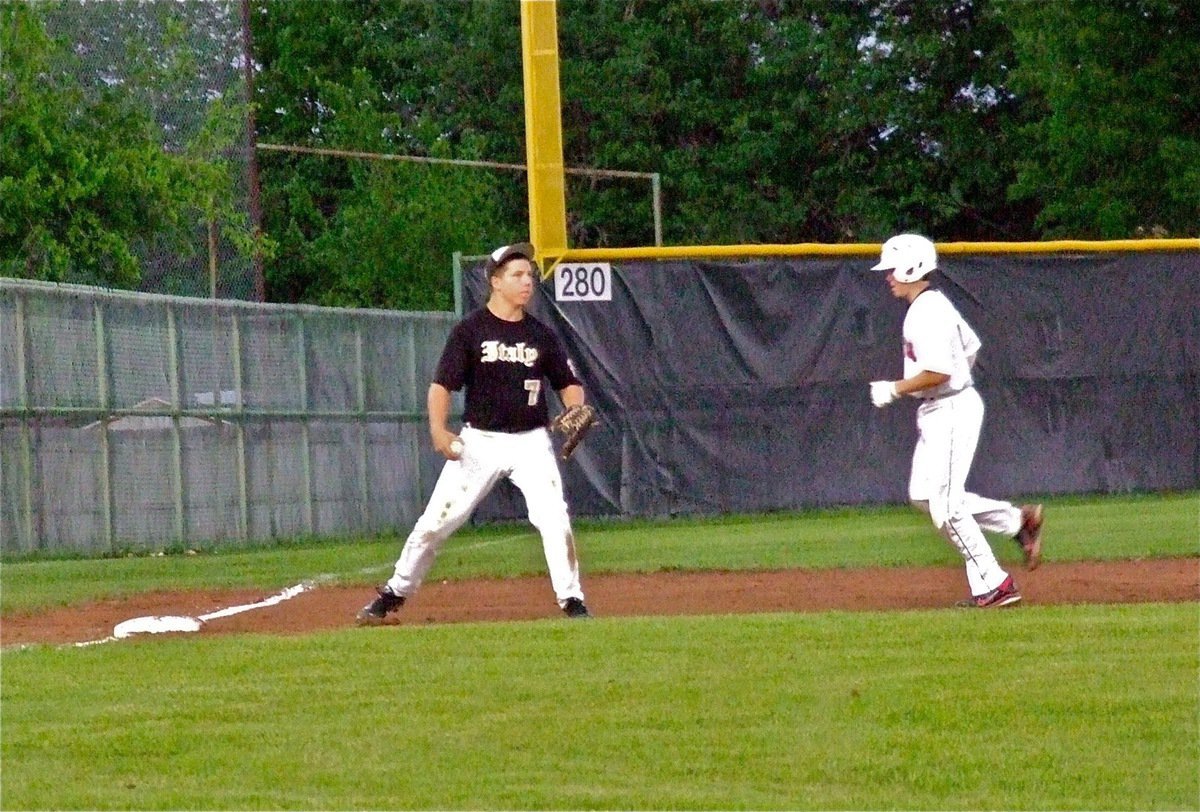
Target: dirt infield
664, 593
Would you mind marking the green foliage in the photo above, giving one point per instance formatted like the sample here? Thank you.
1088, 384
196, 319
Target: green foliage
767, 121
367, 232
81, 179
403, 223
89, 176
816, 711
792, 122
1112, 145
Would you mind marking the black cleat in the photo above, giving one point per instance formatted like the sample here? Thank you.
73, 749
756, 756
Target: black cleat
374, 612
576, 608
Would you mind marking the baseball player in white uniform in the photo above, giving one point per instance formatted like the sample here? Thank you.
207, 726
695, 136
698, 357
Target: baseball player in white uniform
502, 356
939, 352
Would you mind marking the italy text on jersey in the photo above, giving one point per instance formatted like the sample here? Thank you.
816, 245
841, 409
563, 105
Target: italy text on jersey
521, 353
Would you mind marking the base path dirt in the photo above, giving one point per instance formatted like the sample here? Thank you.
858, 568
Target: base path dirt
663, 593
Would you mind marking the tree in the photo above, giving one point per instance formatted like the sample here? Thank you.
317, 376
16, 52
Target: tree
775, 122
366, 77
94, 168
767, 121
82, 180
1112, 145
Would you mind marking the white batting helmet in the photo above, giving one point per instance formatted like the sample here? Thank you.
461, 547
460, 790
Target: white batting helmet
908, 256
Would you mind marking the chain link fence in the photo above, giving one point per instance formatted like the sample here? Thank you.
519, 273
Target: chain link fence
184, 62
139, 422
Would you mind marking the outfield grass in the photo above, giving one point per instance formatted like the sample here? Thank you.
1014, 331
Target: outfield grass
1043, 708
1047, 707
1076, 529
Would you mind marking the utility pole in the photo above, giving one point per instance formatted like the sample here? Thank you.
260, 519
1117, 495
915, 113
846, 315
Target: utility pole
260, 285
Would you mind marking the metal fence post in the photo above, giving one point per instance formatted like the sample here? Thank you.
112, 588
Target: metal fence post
25, 523
414, 387
656, 192
176, 436
240, 427
360, 377
458, 284
305, 418
106, 491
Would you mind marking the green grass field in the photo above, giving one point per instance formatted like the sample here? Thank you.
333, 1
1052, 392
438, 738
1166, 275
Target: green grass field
1079, 529
1045, 707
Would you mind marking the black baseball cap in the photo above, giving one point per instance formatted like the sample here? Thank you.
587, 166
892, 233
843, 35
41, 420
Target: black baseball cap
506, 252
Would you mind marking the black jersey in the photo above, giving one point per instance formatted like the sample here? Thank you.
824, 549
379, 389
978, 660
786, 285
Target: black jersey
503, 365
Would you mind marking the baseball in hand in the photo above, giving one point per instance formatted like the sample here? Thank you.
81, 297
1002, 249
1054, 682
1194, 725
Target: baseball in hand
456, 447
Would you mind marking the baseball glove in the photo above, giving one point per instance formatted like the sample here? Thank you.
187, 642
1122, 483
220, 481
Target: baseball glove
573, 424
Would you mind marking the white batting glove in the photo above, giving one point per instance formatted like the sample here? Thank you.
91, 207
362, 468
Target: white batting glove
883, 393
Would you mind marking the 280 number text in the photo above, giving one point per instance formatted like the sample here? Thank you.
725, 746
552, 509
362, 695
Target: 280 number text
583, 282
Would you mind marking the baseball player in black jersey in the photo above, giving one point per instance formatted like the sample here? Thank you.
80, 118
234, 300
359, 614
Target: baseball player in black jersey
503, 357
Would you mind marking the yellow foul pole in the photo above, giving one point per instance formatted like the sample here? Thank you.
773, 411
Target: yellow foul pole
543, 129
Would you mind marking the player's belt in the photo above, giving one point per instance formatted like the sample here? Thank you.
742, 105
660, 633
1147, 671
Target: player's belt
492, 432
945, 395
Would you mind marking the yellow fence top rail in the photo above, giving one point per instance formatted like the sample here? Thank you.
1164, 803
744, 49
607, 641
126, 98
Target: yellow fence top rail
869, 249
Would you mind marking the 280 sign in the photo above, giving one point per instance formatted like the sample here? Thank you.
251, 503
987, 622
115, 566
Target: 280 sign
583, 282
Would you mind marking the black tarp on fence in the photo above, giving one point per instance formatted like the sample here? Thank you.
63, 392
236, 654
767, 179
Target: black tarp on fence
742, 386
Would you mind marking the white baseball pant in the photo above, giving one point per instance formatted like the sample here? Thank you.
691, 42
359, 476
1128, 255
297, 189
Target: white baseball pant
527, 459
948, 433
